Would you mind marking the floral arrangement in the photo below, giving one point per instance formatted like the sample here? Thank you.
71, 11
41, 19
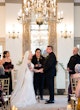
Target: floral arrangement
61, 64
19, 62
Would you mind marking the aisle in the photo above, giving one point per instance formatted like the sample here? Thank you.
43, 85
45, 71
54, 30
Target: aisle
60, 104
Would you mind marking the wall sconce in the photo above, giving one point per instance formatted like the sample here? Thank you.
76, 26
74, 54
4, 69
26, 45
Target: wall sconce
66, 34
13, 35
14, 31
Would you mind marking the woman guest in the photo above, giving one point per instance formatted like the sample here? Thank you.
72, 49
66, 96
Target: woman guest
8, 66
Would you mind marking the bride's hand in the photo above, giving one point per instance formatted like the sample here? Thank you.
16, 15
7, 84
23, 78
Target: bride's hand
41, 70
37, 71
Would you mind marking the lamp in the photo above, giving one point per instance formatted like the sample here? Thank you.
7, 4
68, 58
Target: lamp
66, 34
40, 10
13, 35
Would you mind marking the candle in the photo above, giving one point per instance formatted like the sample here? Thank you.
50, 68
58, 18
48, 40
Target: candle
28, 4
61, 14
69, 107
13, 107
16, 108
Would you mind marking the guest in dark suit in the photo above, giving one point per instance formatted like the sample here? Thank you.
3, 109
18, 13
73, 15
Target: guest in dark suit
38, 61
50, 72
74, 59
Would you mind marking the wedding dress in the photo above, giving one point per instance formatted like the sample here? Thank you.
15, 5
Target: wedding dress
23, 94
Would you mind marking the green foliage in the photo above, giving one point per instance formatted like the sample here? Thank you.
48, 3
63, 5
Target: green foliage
61, 64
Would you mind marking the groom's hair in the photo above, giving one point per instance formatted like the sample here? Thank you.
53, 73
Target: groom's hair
38, 49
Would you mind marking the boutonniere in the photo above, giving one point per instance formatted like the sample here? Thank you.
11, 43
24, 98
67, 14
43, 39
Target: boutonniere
47, 57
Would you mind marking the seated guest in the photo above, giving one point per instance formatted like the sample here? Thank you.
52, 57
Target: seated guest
77, 68
77, 92
1, 67
2, 73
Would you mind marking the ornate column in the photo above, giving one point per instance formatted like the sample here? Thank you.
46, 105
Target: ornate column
53, 41
53, 36
26, 41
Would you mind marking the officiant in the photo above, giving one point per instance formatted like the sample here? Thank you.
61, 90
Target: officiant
38, 61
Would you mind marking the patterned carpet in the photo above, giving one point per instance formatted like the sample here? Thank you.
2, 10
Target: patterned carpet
60, 104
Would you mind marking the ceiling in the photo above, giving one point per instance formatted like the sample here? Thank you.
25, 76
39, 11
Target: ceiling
20, 1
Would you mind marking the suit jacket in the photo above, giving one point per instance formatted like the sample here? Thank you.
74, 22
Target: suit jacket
50, 65
75, 59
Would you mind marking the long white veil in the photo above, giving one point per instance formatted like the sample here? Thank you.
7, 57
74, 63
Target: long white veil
21, 74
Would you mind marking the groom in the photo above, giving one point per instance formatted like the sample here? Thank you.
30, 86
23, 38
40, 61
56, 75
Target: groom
50, 72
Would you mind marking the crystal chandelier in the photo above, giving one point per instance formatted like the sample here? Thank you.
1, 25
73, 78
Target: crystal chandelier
40, 11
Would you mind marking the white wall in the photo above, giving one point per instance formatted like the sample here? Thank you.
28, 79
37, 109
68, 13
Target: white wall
13, 45
2, 21
76, 21
64, 46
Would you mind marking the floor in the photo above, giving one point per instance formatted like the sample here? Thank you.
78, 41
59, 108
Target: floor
60, 104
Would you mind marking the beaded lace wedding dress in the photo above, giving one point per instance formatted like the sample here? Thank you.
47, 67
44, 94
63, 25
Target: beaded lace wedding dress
23, 94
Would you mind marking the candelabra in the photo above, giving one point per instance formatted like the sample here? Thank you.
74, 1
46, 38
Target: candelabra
66, 34
13, 35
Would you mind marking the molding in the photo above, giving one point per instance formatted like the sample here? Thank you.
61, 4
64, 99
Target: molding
65, 1
60, 91
76, 4
20, 1
2, 4
2, 39
13, 1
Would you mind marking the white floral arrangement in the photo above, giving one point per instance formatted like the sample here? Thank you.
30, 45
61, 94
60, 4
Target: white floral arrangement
19, 62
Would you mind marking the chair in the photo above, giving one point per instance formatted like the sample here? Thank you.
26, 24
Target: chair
74, 82
14, 77
5, 87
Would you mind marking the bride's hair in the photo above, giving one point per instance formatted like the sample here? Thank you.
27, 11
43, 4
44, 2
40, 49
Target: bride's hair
25, 61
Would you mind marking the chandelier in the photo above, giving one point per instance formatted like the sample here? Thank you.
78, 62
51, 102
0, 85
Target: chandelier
40, 11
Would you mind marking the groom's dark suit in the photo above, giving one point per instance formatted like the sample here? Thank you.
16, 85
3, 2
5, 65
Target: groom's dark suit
50, 72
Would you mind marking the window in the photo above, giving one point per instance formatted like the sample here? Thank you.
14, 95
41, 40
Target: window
39, 37
2, 45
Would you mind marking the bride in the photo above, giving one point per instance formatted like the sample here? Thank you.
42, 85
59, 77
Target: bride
23, 94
